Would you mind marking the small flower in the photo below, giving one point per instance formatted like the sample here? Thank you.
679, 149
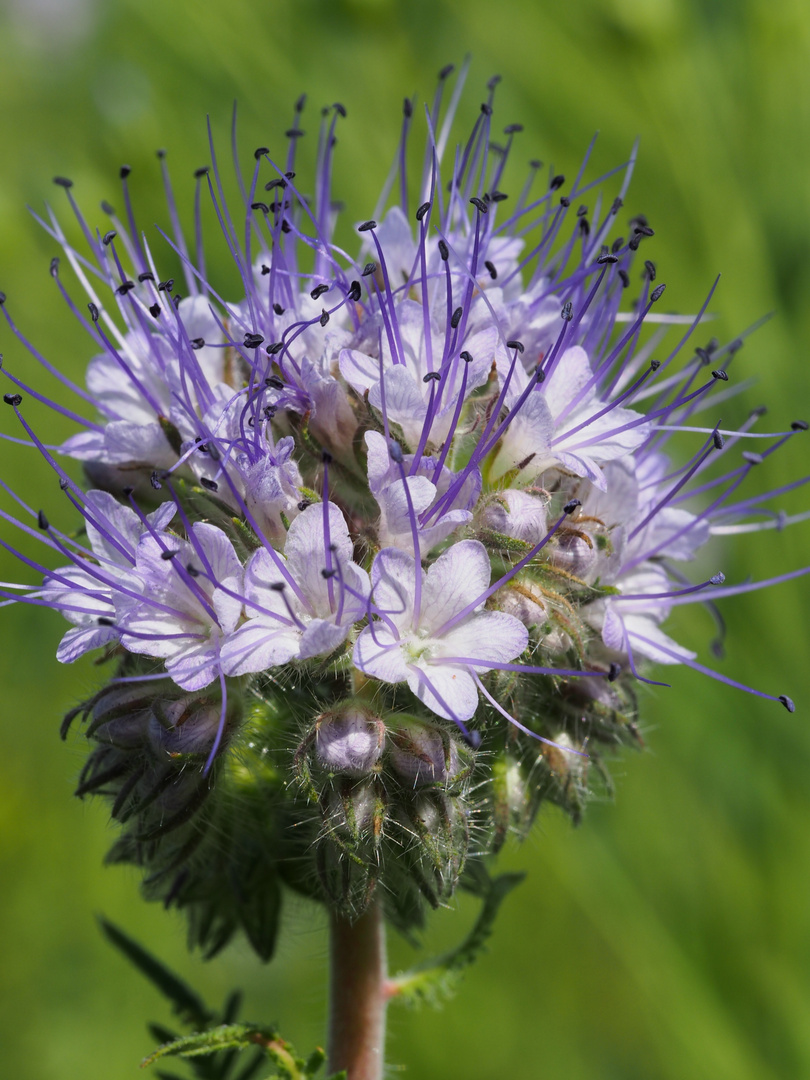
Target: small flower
433, 632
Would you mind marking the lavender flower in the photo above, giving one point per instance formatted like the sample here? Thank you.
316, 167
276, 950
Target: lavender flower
433, 479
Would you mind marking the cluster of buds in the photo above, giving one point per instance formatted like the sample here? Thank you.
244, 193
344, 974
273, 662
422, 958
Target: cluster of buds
420, 511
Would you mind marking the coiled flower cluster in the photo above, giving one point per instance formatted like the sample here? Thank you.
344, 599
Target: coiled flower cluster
384, 546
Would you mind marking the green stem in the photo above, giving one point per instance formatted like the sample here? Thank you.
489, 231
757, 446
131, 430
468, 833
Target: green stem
357, 995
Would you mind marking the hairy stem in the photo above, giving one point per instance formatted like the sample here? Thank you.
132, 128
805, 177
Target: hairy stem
357, 995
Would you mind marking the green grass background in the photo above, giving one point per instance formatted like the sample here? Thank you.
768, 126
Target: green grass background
669, 937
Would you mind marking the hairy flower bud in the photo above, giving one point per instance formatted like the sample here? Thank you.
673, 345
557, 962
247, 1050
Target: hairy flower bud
424, 752
349, 740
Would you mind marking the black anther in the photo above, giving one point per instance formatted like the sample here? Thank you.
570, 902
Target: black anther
367, 226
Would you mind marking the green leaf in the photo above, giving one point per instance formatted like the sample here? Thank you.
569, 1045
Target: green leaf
224, 1037
437, 980
185, 1002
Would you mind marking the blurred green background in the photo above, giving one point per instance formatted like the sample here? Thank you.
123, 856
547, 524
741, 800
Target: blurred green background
670, 935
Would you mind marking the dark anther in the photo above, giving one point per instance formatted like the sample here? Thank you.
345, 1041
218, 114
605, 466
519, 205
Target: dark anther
326, 457
649, 266
513, 343
253, 341
369, 268
718, 578
147, 275
557, 182
787, 702
493, 273
432, 376
290, 175
299, 105
367, 226
512, 129
703, 356
498, 196
655, 365
625, 278
304, 504
328, 573
127, 491
617, 244
93, 312
720, 374
799, 425
64, 483
160, 154
210, 485
571, 506
617, 205
395, 450
107, 208
275, 348
565, 202
108, 237
407, 108
444, 251
260, 151
278, 586
539, 374
278, 182
466, 356
607, 259
584, 227
493, 82
479, 204
168, 554
12, 399
567, 312
657, 293
582, 211
486, 109
423, 209
104, 620
455, 318
192, 570
642, 229
166, 286
42, 521
752, 458
125, 287
354, 292
265, 209
293, 133
448, 69
535, 163
154, 310
202, 171
324, 319
154, 481
2, 298
718, 440
197, 343
62, 181
285, 226
319, 290
614, 672
279, 310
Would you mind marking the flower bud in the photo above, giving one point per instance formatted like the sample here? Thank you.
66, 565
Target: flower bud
423, 752
575, 553
349, 741
517, 514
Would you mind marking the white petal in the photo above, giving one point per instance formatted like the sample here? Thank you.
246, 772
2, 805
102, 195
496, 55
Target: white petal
379, 654
448, 691
487, 636
458, 578
259, 645
393, 580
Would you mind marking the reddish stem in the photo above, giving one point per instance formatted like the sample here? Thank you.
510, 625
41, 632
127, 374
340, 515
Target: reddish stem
357, 995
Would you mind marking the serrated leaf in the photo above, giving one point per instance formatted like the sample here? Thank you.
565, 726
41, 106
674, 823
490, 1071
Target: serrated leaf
436, 981
224, 1037
186, 1004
